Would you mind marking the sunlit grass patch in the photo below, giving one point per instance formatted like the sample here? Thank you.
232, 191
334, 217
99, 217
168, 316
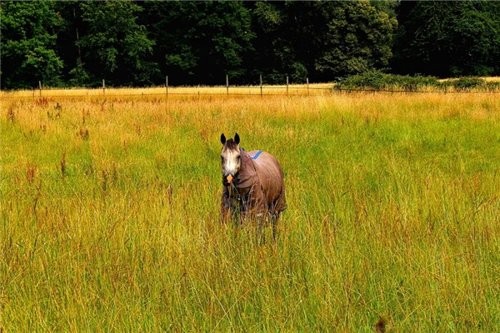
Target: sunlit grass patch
109, 214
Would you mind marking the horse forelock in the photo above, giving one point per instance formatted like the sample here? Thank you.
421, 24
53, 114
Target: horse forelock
230, 145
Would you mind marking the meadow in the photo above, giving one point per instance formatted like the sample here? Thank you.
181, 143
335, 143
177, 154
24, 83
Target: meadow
109, 214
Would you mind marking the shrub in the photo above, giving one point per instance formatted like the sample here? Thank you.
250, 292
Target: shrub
376, 80
467, 83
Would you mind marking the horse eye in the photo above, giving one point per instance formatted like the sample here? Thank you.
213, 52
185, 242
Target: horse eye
239, 157
222, 158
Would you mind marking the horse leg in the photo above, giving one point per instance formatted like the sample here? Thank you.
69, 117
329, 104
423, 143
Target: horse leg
225, 205
274, 224
274, 216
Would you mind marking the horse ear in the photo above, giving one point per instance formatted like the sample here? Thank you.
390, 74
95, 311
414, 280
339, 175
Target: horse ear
222, 138
237, 139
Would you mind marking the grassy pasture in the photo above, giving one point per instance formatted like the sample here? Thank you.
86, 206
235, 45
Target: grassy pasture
109, 214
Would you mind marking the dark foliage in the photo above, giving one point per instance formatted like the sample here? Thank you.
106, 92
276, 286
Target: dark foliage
448, 38
132, 43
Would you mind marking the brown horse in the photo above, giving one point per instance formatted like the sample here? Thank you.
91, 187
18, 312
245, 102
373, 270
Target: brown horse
253, 183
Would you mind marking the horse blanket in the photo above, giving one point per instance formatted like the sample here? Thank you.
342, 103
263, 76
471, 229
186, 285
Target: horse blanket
259, 185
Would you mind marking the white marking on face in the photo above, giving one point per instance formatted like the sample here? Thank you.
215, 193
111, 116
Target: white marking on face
231, 162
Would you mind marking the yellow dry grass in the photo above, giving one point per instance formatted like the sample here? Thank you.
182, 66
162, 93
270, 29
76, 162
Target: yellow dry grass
109, 213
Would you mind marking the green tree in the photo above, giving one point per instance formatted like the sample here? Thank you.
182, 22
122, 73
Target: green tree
68, 43
448, 38
28, 36
200, 42
322, 40
274, 50
115, 47
357, 38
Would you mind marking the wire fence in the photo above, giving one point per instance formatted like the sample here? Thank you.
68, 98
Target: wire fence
314, 89
265, 90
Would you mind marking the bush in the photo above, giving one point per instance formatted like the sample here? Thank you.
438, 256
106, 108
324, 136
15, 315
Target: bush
376, 80
468, 83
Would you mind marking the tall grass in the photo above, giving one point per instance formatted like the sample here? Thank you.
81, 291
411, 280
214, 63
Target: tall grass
109, 215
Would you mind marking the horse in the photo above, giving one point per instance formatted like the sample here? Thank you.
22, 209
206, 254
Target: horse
253, 184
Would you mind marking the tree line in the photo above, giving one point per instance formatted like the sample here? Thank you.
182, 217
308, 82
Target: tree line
132, 43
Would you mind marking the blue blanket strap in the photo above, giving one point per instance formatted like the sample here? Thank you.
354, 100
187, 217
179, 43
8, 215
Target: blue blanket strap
254, 157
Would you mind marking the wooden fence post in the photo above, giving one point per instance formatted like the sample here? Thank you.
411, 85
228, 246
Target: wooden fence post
40, 87
227, 84
287, 85
103, 87
166, 85
260, 85
307, 85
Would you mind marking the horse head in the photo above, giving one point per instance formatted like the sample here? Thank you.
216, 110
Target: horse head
230, 157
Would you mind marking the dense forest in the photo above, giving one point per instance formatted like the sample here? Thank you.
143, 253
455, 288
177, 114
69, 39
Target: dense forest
137, 43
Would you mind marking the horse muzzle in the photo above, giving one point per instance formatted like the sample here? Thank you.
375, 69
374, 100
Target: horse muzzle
228, 179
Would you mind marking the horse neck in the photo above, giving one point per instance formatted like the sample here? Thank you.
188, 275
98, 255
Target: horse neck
246, 160
247, 171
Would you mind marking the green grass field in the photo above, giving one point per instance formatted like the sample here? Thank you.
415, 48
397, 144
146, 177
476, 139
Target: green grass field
109, 216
